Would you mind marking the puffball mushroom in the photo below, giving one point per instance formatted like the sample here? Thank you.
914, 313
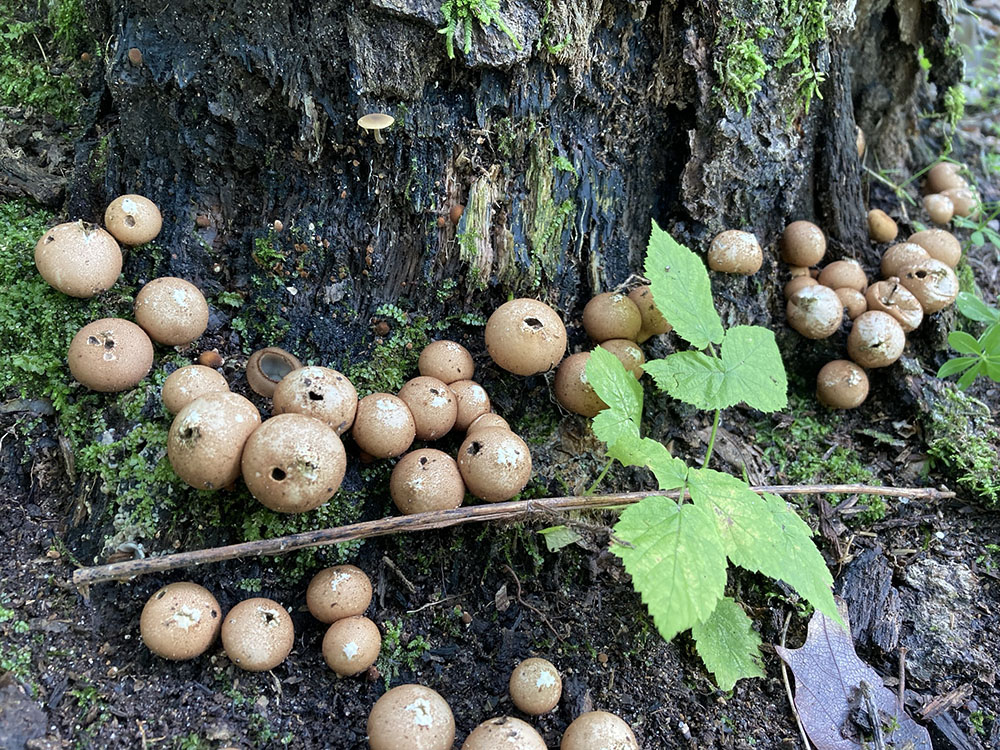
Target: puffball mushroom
815, 311
180, 621
799, 282
172, 311
187, 383
932, 282
939, 207
841, 385
258, 634
110, 355
133, 219
318, 392
901, 255
504, 733
892, 297
433, 405
599, 729
495, 464
206, 439
881, 227
535, 686
844, 273
473, 402
653, 322
965, 200
733, 251
267, 367
351, 645
876, 340
854, 301
939, 244
572, 388
424, 480
411, 717
628, 353
943, 176
293, 463
525, 337
447, 361
384, 426
338, 592
802, 244
487, 420
611, 315
78, 259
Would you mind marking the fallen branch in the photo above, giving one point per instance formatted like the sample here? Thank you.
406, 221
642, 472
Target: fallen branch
441, 519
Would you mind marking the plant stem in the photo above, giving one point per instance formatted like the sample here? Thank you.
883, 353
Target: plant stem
600, 478
711, 440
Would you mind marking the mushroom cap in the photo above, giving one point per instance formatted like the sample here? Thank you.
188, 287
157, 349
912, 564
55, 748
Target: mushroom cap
504, 733
78, 259
876, 340
425, 480
939, 207
798, 282
110, 355
965, 200
628, 353
844, 273
172, 311
447, 361
293, 463
376, 121
473, 402
411, 717
187, 383
892, 297
572, 388
611, 315
815, 311
733, 251
318, 392
495, 464
258, 634
943, 176
433, 405
133, 219
535, 686
351, 645
525, 337
939, 244
802, 244
598, 729
841, 384
854, 301
881, 227
901, 255
653, 322
384, 426
932, 282
489, 419
180, 621
267, 367
338, 592
207, 436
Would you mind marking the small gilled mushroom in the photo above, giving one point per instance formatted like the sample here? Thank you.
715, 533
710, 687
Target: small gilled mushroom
653, 322
939, 244
854, 301
525, 337
944, 176
799, 282
110, 355
900, 256
267, 367
939, 207
815, 311
932, 282
844, 273
881, 227
876, 340
733, 251
376, 122
802, 244
841, 385
78, 259
133, 219
892, 297
611, 315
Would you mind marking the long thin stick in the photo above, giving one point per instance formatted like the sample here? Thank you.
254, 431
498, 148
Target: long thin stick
441, 519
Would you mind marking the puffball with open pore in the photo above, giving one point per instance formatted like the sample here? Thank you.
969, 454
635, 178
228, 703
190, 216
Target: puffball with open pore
433, 405
78, 259
267, 367
133, 219
526, 337
318, 392
932, 282
876, 340
110, 355
425, 480
258, 634
495, 464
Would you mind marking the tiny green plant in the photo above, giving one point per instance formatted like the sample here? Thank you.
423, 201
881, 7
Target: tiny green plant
980, 356
458, 18
677, 551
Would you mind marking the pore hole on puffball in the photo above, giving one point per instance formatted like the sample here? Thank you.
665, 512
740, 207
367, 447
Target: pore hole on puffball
93, 341
423, 460
109, 344
161, 594
474, 448
534, 323
921, 274
277, 474
274, 367
313, 396
269, 617
129, 220
187, 433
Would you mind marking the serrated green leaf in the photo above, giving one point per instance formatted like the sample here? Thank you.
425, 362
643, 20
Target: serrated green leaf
692, 377
611, 426
676, 561
681, 290
728, 644
953, 366
755, 373
963, 342
975, 309
615, 385
632, 450
557, 537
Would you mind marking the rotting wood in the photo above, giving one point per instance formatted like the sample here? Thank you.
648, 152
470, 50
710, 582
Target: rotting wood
441, 519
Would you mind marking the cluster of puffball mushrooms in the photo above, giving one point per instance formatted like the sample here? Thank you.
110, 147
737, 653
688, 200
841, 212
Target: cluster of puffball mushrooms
182, 620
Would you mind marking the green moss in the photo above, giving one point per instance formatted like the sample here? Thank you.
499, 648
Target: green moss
399, 650
741, 67
391, 360
545, 218
805, 25
459, 16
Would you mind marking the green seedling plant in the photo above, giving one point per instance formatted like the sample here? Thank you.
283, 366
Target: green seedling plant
981, 356
678, 552
458, 18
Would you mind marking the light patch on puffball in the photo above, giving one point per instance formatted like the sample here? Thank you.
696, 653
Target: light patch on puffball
78, 259
383, 426
495, 464
411, 717
110, 355
816, 312
338, 592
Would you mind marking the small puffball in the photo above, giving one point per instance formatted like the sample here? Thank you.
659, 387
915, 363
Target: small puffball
841, 385
939, 207
733, 251
944, 176
844, 273
881, 227
876, 340
815, 311
802, 244
854, 301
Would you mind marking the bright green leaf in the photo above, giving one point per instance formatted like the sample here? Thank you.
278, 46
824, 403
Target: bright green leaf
963, 342
728, 644
615, 385
557, 537
957, 365
989, 342
611, 426
692, 377
632, 450
681, 290
992, 369
675, 559
971, 374
755, 373
977, 238
975, 309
